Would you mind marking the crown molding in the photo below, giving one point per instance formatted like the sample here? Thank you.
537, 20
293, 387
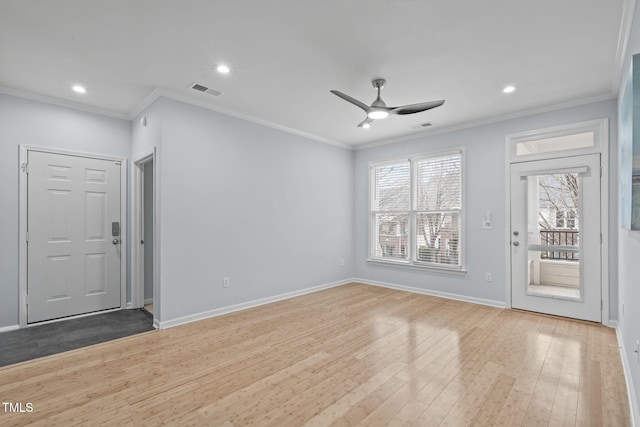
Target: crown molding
626, 22
490, 120
156, 93
145, 103
62, 102
150, 99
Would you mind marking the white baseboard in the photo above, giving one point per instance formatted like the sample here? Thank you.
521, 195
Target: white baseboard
626, 367
255, 303
9, 328
481, 301
148, 301
245, 305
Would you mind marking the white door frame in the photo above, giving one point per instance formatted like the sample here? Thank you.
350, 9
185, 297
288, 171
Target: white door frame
22, 223
600, 127
137, 249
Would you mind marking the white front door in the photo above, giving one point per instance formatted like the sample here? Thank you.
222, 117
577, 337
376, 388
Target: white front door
73, 222
555, 237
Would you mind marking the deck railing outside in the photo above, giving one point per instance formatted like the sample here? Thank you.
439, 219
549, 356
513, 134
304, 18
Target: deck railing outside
560, 238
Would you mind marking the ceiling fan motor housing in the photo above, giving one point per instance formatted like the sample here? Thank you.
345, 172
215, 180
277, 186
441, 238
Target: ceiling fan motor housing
379, 83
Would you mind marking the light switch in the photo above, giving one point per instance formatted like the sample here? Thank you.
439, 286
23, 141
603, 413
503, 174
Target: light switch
486, 222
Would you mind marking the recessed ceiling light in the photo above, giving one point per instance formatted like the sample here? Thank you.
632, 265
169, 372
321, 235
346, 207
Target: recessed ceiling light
79, 89
222, 69
509, 89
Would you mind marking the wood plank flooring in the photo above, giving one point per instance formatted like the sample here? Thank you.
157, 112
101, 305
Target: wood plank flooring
351, 355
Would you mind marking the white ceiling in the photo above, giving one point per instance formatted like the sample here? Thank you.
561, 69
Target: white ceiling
286, 55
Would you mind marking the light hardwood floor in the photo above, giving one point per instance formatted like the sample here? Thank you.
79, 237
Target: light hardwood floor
149, 308
351, 355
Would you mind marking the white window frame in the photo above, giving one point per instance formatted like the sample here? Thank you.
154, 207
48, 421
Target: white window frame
412, 262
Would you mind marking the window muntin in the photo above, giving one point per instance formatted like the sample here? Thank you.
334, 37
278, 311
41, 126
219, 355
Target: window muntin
416, 211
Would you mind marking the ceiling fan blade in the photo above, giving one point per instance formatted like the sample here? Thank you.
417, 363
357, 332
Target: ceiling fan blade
366, 121
416, 108
354, 101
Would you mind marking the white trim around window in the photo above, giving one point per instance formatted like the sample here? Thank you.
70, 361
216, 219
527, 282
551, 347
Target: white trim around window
419, 192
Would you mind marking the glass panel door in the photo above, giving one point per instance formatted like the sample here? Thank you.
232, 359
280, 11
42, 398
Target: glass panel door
555, 236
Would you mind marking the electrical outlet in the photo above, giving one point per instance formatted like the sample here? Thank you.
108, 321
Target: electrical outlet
225, 282
488, 277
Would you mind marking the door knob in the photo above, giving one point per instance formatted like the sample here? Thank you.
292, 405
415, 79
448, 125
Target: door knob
115, 241
516, 243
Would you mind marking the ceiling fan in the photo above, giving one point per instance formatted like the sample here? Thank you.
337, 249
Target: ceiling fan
379, 110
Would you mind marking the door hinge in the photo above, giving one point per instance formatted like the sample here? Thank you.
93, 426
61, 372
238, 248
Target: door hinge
600, 238
25, 167
600, 171
27, 238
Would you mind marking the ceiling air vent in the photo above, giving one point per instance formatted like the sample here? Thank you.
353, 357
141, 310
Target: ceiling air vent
422, 125
204, 89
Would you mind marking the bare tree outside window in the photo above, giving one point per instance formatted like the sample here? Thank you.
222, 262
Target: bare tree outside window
559, 213
416, 210
393, 200
439, 200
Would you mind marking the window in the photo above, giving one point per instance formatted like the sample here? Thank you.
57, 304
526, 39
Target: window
560, 219
557, 143
416, 211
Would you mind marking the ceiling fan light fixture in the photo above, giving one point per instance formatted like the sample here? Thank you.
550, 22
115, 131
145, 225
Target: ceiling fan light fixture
223, 69
378, 109
378, 114
366, 126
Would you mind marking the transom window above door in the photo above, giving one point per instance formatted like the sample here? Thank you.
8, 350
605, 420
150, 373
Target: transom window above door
416, 211
573, 139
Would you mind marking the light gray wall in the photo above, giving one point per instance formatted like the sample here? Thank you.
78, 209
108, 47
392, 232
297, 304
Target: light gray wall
629, 241
270, 210
28, 122
484, 182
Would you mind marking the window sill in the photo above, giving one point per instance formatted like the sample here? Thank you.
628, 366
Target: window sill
452, 271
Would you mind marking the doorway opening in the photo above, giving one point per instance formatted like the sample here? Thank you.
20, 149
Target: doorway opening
144, 289
147, 233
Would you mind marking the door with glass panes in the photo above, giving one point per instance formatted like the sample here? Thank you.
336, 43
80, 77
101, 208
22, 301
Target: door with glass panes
555, 236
